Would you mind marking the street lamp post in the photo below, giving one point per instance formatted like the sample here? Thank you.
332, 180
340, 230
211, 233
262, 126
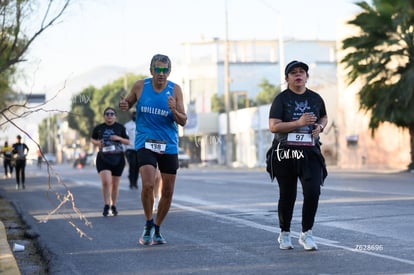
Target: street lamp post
229, 145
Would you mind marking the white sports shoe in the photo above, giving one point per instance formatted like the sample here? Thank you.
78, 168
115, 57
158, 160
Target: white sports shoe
285, 242
306, 240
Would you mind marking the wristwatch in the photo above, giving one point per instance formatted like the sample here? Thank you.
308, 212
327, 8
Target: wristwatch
321, 126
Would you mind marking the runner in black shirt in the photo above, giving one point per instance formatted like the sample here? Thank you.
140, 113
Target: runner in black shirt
110, 162
20, 151
297, 117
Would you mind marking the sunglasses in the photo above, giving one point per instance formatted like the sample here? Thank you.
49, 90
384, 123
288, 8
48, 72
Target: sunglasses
159, 70
109, 114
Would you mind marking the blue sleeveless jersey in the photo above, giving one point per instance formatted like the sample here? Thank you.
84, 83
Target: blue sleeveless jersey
154, 119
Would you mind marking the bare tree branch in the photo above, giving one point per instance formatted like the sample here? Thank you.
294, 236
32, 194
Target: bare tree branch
13, 43
9, 115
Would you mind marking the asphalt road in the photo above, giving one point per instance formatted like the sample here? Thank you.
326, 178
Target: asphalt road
222, 221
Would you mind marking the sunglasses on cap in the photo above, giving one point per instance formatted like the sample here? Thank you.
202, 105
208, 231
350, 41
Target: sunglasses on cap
159, 70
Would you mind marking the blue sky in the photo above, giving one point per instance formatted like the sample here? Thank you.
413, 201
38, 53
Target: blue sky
127, 33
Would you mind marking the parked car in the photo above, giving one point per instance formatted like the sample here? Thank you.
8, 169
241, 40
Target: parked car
91, 159
183, 158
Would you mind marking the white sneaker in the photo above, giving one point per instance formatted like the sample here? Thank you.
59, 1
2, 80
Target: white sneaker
306, 240
285, 242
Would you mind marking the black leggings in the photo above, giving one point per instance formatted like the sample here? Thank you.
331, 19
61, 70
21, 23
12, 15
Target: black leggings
308, 171
20, 173
8, 168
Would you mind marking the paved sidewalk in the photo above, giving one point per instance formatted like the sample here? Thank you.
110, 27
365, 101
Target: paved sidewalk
8, 264
13, 229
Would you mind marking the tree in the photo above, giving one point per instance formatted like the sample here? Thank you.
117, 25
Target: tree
14, 41
88, 106
109, 95
6, 93
267, 94
237, 101
381, 57
48, 133
82, 117
217, 103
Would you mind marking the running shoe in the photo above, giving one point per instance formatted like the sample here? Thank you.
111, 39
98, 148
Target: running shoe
146, 236
105, 210
306, 240
158, 239
285, 241
114, 211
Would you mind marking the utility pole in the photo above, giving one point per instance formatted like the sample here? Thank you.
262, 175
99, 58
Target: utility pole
281, 53
229, 144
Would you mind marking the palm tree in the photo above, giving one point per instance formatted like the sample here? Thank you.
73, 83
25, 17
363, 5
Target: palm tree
381, 57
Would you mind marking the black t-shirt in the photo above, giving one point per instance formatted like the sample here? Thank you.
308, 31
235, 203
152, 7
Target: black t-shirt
289, 106
104, 132
20, 149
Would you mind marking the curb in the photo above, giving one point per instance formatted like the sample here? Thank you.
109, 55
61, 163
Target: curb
8, 264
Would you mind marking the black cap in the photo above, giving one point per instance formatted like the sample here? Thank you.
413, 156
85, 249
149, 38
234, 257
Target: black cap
295, 64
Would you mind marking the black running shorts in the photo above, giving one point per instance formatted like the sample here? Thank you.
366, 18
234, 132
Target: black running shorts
167, 163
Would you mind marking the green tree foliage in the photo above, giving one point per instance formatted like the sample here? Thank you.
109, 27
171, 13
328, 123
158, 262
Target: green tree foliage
14, 14
217, 104
6, 93
82, 117
43, 132
236, 102
108, 96
47, 133
381, 58
267, 93
12, 43
88, 106
15, 40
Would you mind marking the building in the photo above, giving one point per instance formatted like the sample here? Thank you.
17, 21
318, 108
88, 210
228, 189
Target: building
347, 139
203, 74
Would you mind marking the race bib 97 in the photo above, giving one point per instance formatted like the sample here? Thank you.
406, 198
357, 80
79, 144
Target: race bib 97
300, 139
108, 149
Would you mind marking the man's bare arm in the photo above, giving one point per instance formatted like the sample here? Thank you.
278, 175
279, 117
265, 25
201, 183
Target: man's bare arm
176, 105
125, 103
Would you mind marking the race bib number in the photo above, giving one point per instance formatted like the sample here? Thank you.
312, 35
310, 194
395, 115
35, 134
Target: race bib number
300, 139
108, 149
157, 146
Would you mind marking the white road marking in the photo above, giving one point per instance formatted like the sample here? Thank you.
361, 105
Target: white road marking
323, 241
